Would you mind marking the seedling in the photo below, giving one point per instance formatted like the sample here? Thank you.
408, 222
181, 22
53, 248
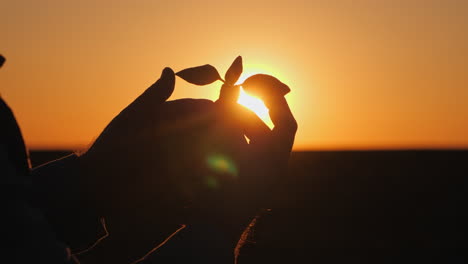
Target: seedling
259, 85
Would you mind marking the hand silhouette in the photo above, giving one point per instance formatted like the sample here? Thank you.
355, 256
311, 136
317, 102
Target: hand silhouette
162, 163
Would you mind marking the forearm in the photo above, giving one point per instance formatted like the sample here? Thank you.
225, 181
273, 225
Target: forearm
59, 191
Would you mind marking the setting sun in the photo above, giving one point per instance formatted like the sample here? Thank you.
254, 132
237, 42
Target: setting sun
361, 75
256, 105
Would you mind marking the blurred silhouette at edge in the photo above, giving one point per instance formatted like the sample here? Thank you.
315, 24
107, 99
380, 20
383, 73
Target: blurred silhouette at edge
29, 236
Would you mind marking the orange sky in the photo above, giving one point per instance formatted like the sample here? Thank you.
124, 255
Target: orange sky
363, 74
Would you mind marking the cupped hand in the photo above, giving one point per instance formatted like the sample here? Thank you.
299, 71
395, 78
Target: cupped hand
162, 163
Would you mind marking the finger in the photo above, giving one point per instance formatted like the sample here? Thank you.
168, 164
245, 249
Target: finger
285, 127
229, 93
272, 154
159, 92
141, 110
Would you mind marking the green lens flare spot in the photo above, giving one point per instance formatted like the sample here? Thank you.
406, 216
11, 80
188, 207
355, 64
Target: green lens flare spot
222, 164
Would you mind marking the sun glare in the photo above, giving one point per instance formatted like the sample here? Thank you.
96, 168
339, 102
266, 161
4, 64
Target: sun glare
253, 103
256, 105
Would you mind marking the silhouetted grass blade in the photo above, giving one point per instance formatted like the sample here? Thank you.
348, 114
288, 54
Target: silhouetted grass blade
263, 85
200, 75
234, 72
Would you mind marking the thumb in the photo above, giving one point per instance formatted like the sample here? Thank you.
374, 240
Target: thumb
137, 112
157, 93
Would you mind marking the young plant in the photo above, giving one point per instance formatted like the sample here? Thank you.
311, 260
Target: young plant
259, 85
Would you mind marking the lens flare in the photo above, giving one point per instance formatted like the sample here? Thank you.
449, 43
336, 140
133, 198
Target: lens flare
222, 164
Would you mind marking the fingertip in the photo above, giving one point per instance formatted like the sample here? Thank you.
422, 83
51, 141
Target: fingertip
167, 73
164, 87
167, 80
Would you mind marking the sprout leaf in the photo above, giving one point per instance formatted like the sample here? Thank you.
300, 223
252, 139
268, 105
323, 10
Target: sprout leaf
201, 75
234, 72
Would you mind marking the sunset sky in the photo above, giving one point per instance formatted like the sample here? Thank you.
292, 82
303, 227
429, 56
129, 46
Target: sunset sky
364, 74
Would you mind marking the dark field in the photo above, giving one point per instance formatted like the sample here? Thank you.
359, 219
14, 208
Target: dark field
363, 207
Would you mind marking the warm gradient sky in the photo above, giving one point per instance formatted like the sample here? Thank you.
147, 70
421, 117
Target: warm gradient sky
363, 74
